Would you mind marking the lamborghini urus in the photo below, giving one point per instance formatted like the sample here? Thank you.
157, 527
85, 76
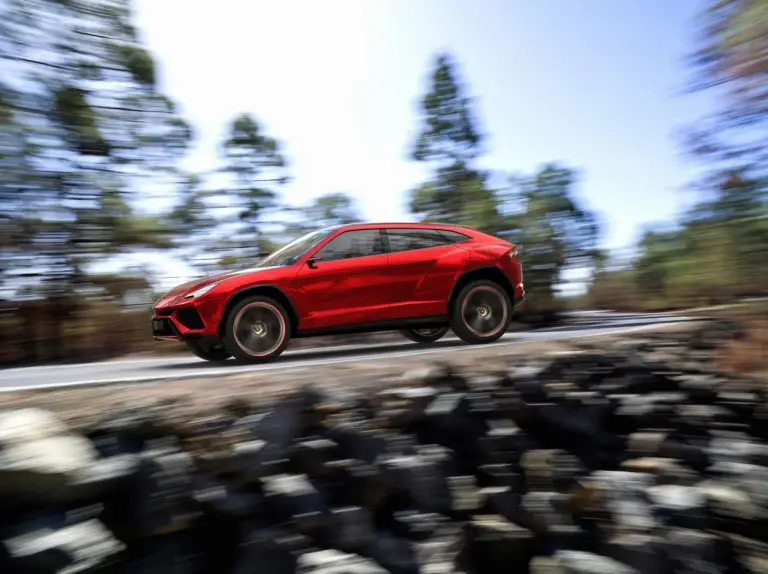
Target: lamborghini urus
420, 279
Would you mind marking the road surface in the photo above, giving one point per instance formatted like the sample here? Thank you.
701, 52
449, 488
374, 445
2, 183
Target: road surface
589, 323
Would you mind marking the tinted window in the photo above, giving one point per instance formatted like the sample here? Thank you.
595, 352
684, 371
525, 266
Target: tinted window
453, 236
353, 244
410, 239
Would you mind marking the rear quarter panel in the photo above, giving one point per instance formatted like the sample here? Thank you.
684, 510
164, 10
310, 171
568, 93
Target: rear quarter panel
496, 255
422, 279
489, 253
437, 282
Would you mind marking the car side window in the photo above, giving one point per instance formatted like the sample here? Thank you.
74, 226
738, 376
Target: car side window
453, 236
411, 239
351, 244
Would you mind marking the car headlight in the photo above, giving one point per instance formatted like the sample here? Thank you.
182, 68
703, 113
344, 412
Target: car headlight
200, 292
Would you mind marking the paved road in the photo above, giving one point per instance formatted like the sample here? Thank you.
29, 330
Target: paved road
590, 323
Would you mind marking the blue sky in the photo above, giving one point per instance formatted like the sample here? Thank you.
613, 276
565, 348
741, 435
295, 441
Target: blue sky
595, 84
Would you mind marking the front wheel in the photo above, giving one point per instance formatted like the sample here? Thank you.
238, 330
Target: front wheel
214, 353
481, 312
257, 330
427, 335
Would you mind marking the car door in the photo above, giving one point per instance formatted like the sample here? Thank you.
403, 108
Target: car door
423, 264
344, 281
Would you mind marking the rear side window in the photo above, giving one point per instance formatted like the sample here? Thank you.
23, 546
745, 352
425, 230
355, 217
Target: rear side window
411, 239
453, 236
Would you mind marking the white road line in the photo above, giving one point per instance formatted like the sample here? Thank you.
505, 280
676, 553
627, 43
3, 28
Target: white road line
202, 373
173, 359
194, 360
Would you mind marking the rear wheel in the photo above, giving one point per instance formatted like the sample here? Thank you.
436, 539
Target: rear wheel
426, 335
481, 313
257, 330
208, 352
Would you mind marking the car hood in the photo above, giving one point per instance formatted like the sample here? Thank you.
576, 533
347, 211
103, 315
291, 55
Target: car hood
195, 284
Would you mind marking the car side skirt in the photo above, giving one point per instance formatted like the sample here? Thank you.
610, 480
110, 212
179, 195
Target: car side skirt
391, 325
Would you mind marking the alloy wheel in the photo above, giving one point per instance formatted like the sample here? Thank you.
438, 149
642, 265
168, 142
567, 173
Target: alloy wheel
259, 329
428, 332
484, 311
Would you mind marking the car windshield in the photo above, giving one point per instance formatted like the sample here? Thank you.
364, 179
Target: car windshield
289, 254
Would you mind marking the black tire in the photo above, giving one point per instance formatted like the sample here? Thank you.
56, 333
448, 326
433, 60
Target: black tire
425, 336
481, 313
214, 353
268, 325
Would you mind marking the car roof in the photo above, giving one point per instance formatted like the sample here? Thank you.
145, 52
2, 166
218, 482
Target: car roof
411, 225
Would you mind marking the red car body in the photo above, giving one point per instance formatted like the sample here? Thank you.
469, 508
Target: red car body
407, 278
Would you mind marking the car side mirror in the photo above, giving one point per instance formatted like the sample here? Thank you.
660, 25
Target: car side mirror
312, 260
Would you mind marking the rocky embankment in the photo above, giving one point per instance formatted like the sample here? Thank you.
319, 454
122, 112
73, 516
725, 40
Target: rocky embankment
635, 458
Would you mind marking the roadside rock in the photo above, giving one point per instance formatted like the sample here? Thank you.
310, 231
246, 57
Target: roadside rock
635, 458
40, 458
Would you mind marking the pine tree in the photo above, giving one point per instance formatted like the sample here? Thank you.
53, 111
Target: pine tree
449, 142
82, 125
257, 168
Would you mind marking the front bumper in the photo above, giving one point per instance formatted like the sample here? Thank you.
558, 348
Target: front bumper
163, 329
519, 295
181, 323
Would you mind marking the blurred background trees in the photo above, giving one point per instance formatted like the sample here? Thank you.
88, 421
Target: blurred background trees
82, 125
86, 138
719, 249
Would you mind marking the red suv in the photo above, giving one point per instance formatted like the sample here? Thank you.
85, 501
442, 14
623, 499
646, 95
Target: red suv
421, 279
